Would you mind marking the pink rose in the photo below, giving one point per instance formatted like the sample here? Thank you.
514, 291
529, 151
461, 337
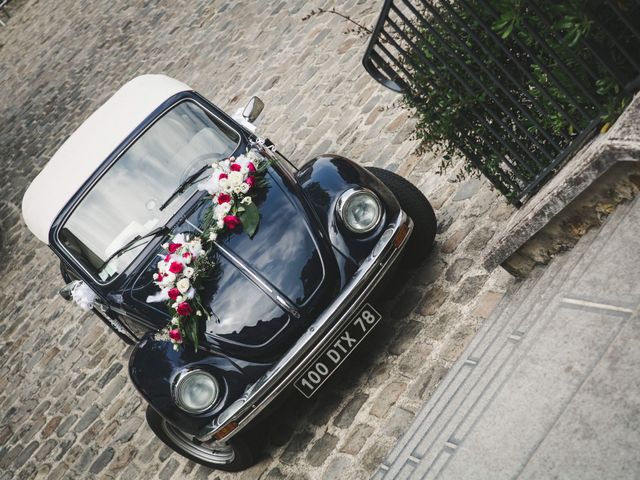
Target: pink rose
251, 167
184, 309
235, 167
173, 293
176, 267
173, 247
224, 198
251, 181
231, 221
175, 335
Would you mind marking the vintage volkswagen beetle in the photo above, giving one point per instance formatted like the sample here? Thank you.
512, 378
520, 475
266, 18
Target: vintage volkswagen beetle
284, 306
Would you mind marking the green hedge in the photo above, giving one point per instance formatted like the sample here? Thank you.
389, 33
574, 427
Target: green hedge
535, 73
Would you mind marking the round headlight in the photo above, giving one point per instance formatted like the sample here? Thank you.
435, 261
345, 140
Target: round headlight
196, 391
360, 210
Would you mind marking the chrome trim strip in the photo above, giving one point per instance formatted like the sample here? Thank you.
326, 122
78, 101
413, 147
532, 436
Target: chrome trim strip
260, 394
255, 277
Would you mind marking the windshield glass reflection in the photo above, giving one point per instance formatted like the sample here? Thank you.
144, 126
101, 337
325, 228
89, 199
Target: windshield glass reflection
125, 202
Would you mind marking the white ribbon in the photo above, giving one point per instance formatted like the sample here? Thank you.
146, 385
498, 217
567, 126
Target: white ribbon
83, 296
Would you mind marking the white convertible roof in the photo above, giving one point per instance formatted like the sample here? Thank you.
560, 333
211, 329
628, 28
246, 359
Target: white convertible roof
90, 145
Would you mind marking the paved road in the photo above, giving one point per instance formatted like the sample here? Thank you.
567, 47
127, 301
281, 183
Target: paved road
67, 409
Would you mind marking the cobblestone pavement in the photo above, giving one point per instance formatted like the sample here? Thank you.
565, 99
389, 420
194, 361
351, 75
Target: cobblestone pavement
67, 409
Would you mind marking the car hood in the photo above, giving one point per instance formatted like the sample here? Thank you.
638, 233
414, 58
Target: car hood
266, 289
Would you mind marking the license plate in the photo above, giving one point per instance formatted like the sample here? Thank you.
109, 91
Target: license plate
329, 360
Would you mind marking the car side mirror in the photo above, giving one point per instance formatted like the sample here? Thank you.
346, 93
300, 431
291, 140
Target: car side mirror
65, 292
253, 109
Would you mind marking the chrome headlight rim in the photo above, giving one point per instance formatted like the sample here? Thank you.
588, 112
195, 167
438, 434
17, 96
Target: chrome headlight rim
181, 383
345, 200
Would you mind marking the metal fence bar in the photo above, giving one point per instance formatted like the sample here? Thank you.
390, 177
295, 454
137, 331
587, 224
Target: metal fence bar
483, 87
502, 68
479, 116
528, 106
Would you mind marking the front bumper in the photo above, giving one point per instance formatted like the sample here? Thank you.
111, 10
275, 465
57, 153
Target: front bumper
318, 336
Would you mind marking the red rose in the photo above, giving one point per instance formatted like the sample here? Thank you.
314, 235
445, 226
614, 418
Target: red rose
173, 293
235, 167
251, 167
224, 198
222, 175
174, 334
173, 247
251, 181
184, 309
231, 221
167, 258
176, 267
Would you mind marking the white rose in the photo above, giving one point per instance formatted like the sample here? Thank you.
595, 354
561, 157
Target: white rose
220, 223
253, 156
196, 247
183, 285
221, 210
179, 298
188, 272
168, 280
235, 178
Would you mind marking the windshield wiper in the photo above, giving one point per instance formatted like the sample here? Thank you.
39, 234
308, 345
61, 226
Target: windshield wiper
183, 186
131, 244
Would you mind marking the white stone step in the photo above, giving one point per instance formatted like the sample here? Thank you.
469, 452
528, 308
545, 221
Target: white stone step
490, 359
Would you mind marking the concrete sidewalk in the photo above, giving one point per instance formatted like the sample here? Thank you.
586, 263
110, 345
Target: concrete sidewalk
550, 386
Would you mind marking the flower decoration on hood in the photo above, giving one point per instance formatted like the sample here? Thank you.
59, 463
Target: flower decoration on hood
231, 186
188, 263
180, 275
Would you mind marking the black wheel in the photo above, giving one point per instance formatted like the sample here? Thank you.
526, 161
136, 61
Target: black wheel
414, 203
233, 457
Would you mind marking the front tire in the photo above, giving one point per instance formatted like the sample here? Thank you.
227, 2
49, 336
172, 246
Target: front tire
234, 457
415, 204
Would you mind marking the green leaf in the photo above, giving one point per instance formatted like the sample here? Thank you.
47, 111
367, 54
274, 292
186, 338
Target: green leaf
250, 219
191, 328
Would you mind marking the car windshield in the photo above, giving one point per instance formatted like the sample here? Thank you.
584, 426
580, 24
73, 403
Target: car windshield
126, 200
